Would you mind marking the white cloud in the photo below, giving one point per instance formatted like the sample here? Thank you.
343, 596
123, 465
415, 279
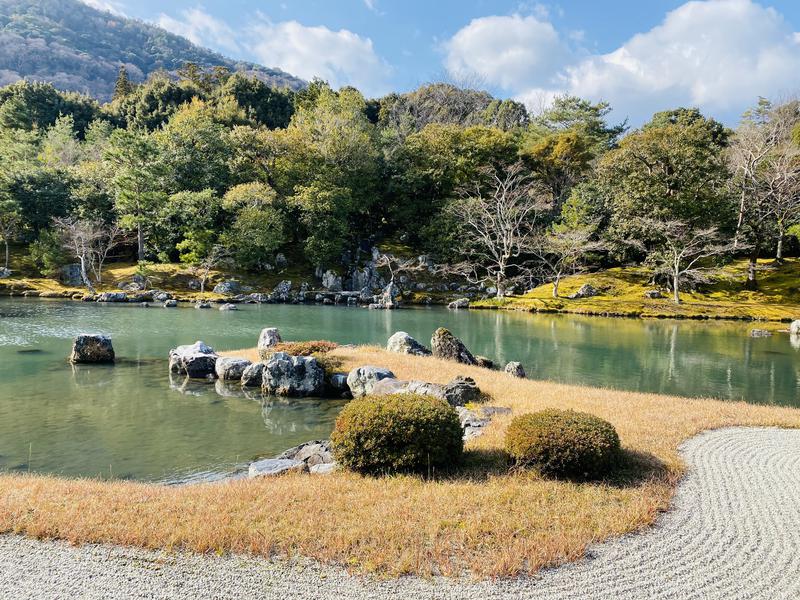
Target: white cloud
719, 55
372, 5
112, 6
507, 50
201, 28
340, 57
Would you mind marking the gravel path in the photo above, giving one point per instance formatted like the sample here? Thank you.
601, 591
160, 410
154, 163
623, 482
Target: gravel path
734, 532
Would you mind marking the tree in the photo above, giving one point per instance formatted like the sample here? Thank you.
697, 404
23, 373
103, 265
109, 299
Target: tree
683, 252
136, 181
216, 255
572, 114
10, 221
561, 251
89, 242
123, 85
499, 220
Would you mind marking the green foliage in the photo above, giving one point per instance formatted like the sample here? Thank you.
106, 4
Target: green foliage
256, 235
397, 433
34, 105
47, 252
563, 443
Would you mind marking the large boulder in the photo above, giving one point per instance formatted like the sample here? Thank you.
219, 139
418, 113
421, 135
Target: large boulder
92, 348
461, 391
269, 467
390, 386
4, 273
312, 453
71, 275
229, 368
227, 288
482, 361
267, 339
515, 369
228, 306
297, 376
402, 343
445, 345
585, 291
331, 281
361, 380
283, 288
794, 328
197, 360
113, 297
460, 303
337, 385
252, 376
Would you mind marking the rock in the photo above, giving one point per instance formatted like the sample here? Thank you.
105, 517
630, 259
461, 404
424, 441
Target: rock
461, 391
90, 348
361, 380
460, 303
445, 345
70, 275
280, 260
270, 467
312, 453
283, 288
794, 328
389, 386
585, 291
4, 273
171, 303
228, 306
390, 295
161, 296
131, 286
515, 369
324, 468
757, 333
653, 294
113, 297
402, 343
482, 361
196, 360
227, 288
194, 284
252, 376
229, 368
331, 281
491, 290
492, 411
269, 337
296, 376
365, 295
202, 304
338, 385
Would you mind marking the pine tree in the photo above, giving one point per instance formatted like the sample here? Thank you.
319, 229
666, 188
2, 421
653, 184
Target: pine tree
123, 85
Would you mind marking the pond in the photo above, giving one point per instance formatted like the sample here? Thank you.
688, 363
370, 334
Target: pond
130, 421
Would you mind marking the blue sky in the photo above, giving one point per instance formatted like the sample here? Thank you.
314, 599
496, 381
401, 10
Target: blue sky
641, 56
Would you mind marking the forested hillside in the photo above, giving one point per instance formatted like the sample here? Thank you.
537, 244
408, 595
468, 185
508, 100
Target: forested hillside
78, 48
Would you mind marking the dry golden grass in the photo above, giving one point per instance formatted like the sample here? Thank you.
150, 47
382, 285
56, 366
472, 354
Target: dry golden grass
484, 519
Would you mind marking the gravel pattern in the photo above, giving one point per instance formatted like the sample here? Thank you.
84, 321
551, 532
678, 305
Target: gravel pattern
734, 532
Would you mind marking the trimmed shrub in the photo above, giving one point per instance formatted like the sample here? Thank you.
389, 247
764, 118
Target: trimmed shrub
563, 443
304, 348
397, 433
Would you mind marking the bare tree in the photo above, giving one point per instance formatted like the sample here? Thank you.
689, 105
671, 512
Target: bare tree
781, 184
499, 216
215, 256
562, 252
398, 265
110, 237
684, 252
79, 238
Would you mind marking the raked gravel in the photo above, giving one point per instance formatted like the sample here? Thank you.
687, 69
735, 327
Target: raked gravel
733, 532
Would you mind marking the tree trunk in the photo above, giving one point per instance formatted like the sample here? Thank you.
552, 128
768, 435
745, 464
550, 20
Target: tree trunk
7, 254
497, 282
779, 250
556, 282
140, 240
676, 288
87, 282
751, 283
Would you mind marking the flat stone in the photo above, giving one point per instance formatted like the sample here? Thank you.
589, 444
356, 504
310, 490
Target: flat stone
269, 467
460, 303
323, 468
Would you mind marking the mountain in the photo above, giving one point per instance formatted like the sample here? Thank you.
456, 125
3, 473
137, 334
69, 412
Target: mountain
79, 48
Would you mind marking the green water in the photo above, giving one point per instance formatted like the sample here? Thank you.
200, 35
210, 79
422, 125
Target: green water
130, 421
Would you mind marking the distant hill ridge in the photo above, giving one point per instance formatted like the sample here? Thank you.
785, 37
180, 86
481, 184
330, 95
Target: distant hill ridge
79, 48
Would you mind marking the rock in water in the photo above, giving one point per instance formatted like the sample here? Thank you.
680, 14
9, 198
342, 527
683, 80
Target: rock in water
297, 376
269, 337
230, 368
90, 348
361, 380
757, 333
228, 306
445, 345
252, 376
515, 369
402, 343
196, 360
171, 303
794, 328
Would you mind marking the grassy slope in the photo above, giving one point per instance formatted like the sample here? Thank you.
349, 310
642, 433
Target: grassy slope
483, 517
778, 296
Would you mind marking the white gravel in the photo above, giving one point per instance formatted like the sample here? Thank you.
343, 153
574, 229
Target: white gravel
734, 532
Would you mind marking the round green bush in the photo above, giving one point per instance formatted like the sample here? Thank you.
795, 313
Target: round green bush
563, 443
400, 432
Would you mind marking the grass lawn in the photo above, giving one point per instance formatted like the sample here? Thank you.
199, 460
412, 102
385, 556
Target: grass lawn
777, 297
482, 517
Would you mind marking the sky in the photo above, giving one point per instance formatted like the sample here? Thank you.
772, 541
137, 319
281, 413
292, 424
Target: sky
640, 56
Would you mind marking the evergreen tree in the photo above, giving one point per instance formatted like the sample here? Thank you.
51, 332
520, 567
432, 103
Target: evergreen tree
123, 86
